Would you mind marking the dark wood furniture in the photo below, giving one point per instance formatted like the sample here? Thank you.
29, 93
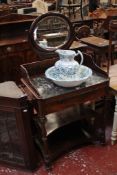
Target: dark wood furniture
99, 46
83, 31
16, 140
14, 46
52, 98
8, 8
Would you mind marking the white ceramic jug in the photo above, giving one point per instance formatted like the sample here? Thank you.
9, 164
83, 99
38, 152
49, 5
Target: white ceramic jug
67, 65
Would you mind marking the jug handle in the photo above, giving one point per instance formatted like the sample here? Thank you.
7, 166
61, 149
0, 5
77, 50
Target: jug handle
81, 55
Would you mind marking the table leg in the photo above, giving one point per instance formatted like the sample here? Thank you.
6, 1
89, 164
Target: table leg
44, 147
104, 117
100, 122
97, 58
114, 129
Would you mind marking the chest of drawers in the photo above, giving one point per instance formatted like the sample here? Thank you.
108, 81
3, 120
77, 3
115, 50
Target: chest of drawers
14, 46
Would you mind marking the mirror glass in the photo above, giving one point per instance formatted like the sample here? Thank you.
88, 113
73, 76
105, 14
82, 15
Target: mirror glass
51, 32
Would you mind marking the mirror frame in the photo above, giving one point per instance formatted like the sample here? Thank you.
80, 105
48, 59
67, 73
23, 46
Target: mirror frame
39, 49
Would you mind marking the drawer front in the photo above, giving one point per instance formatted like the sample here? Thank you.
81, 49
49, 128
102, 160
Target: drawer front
60, 104
11, 59
7, 50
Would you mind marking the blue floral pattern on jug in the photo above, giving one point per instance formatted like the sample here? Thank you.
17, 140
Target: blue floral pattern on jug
67, 66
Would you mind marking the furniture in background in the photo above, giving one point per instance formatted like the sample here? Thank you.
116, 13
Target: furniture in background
96, 46
99, 46
16, 139
14, 46
8, 8
4, 9
71, 5
113, 3
81, 32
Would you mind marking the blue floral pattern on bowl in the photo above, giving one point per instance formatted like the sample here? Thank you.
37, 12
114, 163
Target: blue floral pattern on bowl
76, 79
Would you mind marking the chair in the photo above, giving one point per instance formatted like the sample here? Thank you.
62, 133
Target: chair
96, 45
80, 32
16, 143
71, 6
113, 77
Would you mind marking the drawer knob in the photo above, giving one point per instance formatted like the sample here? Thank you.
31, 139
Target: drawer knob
9, 49
25, 110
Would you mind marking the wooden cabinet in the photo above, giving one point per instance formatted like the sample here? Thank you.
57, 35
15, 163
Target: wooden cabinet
11, 57
14, 47
16, 138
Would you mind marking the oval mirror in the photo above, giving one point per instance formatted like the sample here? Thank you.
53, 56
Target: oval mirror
50, 31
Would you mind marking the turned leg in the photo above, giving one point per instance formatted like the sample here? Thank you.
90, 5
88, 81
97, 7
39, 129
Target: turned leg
114, 129
44, 145
99, 123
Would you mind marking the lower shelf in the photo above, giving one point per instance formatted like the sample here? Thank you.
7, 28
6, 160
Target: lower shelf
69, 134
60, 119
69, 137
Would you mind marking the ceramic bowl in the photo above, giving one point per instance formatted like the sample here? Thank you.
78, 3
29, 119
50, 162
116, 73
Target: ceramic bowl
80, 77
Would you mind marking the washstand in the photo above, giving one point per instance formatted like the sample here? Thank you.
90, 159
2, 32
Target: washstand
57, 114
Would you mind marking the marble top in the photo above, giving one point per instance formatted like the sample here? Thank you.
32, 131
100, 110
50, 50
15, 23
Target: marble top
47, 89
